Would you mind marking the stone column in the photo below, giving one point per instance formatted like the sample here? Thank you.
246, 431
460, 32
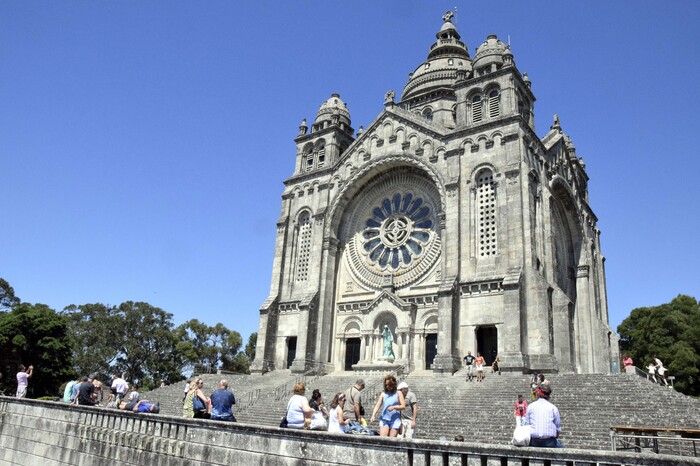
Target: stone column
583, 311
326, 305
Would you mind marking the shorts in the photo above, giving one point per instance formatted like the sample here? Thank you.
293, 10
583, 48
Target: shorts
479, 368
21, 392
391, 423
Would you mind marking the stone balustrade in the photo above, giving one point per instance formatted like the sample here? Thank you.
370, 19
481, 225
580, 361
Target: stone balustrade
50, 433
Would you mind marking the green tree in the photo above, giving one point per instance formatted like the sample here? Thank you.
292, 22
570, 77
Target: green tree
209, 346
242, 360
96, 331
7, 296
672, 332
34, 334
150, 349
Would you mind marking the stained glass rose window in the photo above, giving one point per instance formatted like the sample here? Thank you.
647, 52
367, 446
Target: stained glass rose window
397, 231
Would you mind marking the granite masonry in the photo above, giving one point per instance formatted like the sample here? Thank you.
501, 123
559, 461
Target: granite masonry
449, 220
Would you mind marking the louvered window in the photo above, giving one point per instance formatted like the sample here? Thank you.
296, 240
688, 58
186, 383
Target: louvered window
486, 202
476, 109
303, 247
309, 160
494, 103
321, 156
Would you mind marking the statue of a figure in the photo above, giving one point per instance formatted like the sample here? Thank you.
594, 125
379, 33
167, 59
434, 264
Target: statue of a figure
388, 340
389, 97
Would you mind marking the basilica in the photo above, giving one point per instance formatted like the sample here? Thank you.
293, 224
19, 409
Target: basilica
446, 226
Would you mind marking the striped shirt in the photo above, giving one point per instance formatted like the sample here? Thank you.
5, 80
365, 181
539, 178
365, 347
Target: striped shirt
543, 419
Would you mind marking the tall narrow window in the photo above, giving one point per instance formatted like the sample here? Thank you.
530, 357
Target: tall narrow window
494, 103
486, 208
309, 160
303, 247
476, 109
321, 155
428, 114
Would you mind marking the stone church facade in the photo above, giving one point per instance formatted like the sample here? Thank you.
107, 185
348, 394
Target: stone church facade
449, 221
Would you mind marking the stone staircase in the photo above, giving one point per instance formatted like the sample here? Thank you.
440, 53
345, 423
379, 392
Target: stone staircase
480, 411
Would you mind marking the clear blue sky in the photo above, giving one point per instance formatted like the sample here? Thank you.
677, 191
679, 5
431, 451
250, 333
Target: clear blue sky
143, 144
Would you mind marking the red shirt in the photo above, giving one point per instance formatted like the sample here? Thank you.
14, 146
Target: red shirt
518, 405
627, 362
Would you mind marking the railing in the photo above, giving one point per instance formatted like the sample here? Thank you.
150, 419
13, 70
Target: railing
282, 391
657, 439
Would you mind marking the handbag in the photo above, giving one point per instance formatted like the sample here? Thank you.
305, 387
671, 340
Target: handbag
318, 422
283, 423
521, 436
197, 404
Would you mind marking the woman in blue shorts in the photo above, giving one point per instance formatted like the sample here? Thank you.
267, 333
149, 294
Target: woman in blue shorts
391, 403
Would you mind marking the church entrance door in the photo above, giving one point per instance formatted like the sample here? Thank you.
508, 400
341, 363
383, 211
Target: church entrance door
487, 343
291, 350
430, 349
352, 353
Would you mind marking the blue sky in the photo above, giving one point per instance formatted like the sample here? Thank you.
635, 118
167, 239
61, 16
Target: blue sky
143, 145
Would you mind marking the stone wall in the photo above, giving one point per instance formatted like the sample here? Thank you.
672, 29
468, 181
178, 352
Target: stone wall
47, 433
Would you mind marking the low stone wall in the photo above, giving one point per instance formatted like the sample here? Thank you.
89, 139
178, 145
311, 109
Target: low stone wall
49, 433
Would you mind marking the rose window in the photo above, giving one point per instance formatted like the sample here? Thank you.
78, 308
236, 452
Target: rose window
397, 232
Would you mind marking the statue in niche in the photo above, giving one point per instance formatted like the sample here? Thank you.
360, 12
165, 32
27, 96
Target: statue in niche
388, 342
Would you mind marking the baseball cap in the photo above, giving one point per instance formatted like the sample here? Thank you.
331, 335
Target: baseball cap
403, 385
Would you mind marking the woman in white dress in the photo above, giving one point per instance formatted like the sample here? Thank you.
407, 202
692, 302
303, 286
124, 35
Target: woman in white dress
336, 421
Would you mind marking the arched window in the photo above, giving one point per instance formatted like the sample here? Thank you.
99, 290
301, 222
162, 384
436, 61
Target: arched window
303, 246
428, 114
309, 156
494, 103
476, 109
321, 153
486, 209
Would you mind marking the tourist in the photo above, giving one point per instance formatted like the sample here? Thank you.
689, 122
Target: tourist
496, 366
627, 362
410, 413
145, 406
316, 402
534, 383
119, 387
336, 419
196, 405
520, 410
544, 421
187, 389
222, 401
353, 409
298, 409
68, 391
651, 372
97, 395
469, 363
131, 402
661, 370
23, 377
479, 361
389, 406
86, 392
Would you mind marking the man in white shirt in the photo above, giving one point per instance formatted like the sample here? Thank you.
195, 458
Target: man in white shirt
23, 377
120, 387
409, 414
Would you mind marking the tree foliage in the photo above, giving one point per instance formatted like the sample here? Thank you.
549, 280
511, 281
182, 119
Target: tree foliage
96, 331
210, 346
34, 334
672, 332
7, 296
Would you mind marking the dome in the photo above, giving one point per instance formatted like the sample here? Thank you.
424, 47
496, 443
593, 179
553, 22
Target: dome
333, 106
447, 56
491, 51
